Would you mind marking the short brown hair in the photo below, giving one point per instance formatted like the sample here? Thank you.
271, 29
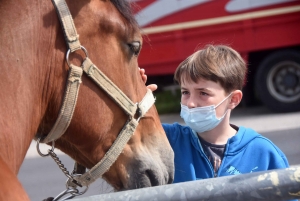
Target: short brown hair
218, 63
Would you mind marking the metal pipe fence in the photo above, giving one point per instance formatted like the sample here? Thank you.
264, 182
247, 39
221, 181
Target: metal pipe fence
272, 185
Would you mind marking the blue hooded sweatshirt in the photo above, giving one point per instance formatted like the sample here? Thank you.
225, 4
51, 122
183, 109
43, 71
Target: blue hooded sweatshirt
245, 152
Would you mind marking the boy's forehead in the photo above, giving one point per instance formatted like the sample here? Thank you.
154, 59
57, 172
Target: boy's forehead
186, 79
201, 83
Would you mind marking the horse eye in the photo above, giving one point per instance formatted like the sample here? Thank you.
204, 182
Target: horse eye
135, 47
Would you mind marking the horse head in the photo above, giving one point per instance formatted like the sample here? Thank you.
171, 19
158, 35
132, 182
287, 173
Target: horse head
34, 51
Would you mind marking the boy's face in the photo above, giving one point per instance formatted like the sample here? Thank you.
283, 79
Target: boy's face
204, 93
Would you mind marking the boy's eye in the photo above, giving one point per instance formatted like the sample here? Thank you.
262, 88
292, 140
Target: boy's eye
184, 92
203, 93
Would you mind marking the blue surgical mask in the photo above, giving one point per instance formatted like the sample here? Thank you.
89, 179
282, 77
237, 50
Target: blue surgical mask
201, 119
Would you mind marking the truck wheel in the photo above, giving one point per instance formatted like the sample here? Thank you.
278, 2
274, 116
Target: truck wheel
277, 81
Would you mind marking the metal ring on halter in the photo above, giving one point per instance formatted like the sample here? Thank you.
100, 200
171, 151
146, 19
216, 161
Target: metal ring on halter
65, 192
38, 148
71, 184
80, 193
68, 54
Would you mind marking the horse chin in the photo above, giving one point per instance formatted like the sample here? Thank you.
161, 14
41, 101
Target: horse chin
140, 180
142, 176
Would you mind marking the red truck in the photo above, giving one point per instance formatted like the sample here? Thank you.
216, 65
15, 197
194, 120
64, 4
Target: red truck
265, 32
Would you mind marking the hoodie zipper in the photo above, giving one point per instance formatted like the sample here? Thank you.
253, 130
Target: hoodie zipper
215, 174
207, 161
223, 159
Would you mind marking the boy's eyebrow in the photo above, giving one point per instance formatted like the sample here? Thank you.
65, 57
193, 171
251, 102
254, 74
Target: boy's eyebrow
202, 89
205, 89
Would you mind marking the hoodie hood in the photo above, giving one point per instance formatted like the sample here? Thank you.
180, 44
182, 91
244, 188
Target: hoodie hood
240, 140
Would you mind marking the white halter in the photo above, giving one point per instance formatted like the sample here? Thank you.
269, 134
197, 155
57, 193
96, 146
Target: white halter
70, 99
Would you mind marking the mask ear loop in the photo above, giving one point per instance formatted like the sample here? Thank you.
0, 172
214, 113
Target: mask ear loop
223, 100
220, 104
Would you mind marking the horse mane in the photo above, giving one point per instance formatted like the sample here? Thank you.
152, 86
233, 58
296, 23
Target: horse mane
125, 8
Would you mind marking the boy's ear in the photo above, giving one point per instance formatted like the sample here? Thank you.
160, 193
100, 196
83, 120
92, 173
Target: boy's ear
236, 98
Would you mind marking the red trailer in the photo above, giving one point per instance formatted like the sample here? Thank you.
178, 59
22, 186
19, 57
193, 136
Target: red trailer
265, 32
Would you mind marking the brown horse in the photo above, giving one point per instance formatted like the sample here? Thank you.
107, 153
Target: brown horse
33, 76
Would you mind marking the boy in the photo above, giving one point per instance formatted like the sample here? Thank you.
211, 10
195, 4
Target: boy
209, 146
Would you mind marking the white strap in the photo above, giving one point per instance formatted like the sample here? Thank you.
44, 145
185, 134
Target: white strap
65, 17
109, 87
146, 103
68, 106
111, 156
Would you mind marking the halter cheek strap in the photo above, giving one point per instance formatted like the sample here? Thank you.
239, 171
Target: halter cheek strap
71, 94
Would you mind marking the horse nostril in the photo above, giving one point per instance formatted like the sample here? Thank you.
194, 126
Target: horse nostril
153, 179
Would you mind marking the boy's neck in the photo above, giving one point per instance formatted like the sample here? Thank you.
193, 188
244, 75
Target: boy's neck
220, 134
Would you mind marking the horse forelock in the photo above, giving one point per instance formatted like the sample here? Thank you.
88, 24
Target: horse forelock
126, 9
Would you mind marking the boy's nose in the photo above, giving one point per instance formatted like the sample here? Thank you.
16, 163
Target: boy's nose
191, 103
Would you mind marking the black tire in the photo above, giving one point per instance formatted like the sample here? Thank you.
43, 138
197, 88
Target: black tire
277, 81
